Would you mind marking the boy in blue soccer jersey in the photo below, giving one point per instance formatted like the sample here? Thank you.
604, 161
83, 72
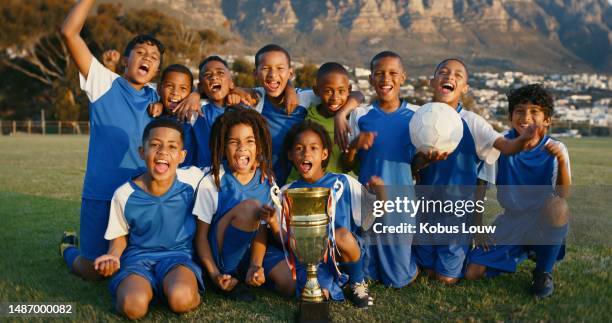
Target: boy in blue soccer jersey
443, 257
118, 114
230, 197
215, 85
175, 85
381, 140
151, 229
273, 72
533, 186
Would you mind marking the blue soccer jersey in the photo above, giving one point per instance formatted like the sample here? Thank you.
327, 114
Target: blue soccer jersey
392, 152
200, 149
388, 258
279, 124
463, 164
117, 117
526, 180
157, 226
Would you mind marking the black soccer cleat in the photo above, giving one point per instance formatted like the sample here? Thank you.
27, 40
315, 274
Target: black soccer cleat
542, 285
359, 295
69, 239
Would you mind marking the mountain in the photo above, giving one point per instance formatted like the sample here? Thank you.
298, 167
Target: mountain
528, 35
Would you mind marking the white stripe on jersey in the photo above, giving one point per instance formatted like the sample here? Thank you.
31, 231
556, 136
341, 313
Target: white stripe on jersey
117, 223
207, 198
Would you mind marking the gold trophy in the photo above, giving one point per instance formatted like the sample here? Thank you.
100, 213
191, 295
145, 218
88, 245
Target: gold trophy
308, 220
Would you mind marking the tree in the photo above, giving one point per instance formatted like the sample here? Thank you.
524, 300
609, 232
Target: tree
243, 73
306, 77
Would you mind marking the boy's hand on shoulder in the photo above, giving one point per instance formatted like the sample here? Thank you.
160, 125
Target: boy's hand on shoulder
110, 59
255, 276
240, 96
555, 148
341, 131
107, 265
365, 140
291, 99
225, 282
155, 109
190, 105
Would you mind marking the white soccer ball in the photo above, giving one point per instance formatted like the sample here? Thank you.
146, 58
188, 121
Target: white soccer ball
436, 127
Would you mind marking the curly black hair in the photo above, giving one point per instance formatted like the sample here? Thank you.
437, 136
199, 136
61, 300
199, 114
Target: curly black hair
307, 125
145, 39
219, 135
178, 68
534, 94
163, 122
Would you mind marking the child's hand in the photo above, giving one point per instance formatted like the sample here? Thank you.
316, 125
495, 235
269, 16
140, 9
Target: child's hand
482, 240
376, 185
255, 276
155, 109
532, 131
107, 265
110, 59
188, 107
267, 213
225, 282
341, 131
423, 159
239, 96
554, 148
366, 140
291, 100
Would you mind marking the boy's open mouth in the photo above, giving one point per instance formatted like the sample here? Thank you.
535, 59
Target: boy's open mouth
161, 166
447, 88
385, 89
173, 102
272, 85
215, 87
143, 69
305, 166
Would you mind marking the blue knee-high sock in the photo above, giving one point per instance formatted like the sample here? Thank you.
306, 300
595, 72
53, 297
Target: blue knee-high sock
70, 255
546, 257
235, 244
354, 270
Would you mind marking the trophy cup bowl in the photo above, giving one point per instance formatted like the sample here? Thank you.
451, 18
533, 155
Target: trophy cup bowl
308, 222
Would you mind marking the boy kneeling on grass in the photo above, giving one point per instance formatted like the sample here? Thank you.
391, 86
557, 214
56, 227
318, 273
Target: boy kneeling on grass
151, 229
532, 187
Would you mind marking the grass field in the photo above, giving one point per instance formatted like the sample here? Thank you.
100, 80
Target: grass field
40, 186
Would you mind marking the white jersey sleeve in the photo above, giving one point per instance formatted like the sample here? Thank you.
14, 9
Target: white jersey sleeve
356, 190
117, 223
98, 81
567, 162
484, 136
306, 98
190, 175
354, 120
207, 199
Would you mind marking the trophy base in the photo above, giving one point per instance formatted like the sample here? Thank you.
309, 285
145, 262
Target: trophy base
309, 312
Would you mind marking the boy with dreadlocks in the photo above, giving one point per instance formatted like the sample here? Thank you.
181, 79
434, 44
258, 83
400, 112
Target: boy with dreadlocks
234, 197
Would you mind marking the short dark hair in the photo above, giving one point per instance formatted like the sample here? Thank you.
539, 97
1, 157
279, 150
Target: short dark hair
385, 54
331, 67
534, 94
442, 63
271, 48
145, 39
163, 122
308, 125
178, 68
209, 59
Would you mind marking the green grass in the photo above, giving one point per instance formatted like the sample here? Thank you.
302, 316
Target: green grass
40, 186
